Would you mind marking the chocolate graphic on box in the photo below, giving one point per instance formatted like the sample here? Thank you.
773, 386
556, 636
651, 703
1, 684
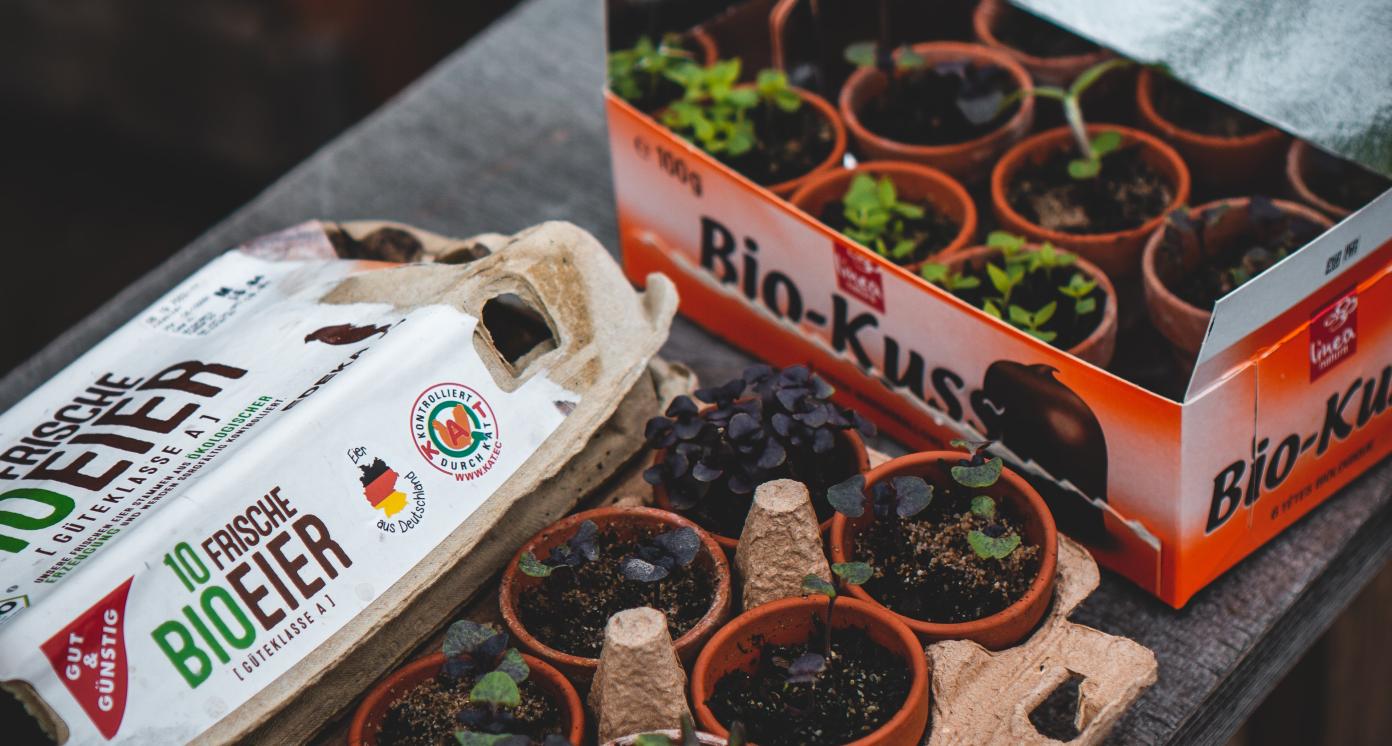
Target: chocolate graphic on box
1044, 421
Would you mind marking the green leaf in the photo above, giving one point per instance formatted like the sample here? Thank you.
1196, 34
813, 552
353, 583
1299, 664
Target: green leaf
1106, 142
884, 190
978, 475
990, 308
908, 210
530, 565
908, 59
1004, 241
1042, 335
816, 586
744, 98
963, 282
496, 688
903, 248
788, 101
848, 497
852, 573
652, 739
513, 665
933, 272
464, 636
1085, 306
1042, 316
1000, 279
989, 548
474, 738
984, 506
1019, 315
861, 54
1083, 168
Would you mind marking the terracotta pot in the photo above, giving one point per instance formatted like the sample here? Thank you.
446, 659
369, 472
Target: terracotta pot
626, 523
845, 439
367, 721
1183, 324
1013, 623
969, 161
1056, 71
1099, 346
914, 183
790, 621
1117, 253
1222, 164
1297, 161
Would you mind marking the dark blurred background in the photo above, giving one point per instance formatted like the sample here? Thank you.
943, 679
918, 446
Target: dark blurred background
130, 127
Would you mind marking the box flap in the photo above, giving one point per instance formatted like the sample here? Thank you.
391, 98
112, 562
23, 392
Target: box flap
1316, 68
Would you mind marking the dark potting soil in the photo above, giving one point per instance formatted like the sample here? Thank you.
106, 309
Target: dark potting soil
1197, 112
926, 570
1034, 292
1037, 37
790, 144
1126, 193
569, 609
863, 686
930, 233
427, 715
1228, 267
725, 514
941, 105
1341, 182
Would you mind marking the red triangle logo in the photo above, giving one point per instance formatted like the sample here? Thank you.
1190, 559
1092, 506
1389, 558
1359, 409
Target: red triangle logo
89, 656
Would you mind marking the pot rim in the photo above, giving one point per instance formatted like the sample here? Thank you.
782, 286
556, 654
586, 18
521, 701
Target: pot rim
1296, 158
555, 684
897, 169
720, 601
1010, 163
1105, 325
1145, 108
1151, 275
1044, 579
988, 11
978, 53
663, 502
909, 648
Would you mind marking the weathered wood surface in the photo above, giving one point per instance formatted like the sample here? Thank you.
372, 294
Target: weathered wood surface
510, 131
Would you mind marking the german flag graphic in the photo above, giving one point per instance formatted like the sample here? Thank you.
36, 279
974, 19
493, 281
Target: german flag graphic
379, 486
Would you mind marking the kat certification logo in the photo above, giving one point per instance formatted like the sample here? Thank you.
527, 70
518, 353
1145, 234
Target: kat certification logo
454, 429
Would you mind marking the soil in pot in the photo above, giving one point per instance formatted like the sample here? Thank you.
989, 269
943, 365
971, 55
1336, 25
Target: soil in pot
1037, 37
1197, 112
568, 610
427, 714
1124, 195
914, 231
1227, 262
790, 144
941, 104
1342, 183
929, 566
862, 687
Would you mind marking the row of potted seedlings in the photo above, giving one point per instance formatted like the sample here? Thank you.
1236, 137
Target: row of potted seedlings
937, 119
843, 572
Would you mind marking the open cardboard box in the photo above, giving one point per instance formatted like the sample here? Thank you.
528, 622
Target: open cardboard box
1283, 408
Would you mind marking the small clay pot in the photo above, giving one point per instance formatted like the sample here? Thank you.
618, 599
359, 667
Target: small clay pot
845, 439
367, 721
1183, 324
1099, 346
790, 621
1298, 164
626, 523
1117, 253
1222, 164
1013, 623
914, 183
968, 161
1055, 71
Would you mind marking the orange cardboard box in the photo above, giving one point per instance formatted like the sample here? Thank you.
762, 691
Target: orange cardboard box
1286, 404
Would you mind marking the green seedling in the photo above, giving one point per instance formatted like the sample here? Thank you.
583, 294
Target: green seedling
993, 542
1090, 149
980, 469
718, 114
636, 74
877, 217
848, 573
689, 736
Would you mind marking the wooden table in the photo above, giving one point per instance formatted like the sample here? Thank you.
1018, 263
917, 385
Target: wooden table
509, 131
